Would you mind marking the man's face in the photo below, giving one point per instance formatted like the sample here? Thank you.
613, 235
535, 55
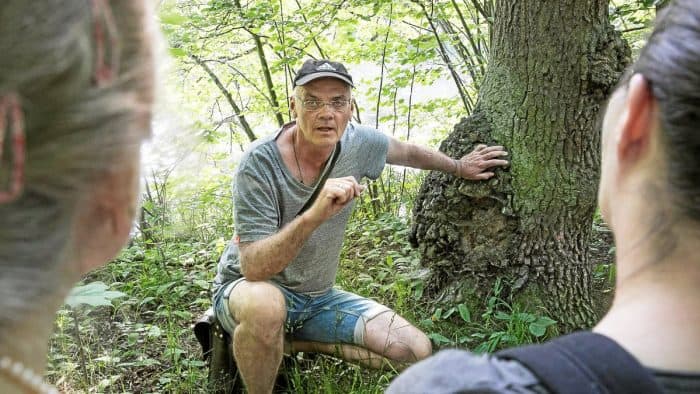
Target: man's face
325, 125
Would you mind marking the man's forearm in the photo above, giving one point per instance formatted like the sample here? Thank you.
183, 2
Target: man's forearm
262, 259
426, 159
476, 165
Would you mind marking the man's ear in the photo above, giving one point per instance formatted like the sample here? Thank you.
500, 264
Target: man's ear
637, 122
293, 107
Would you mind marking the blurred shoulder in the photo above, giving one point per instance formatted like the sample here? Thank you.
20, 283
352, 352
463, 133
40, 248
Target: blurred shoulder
458, 371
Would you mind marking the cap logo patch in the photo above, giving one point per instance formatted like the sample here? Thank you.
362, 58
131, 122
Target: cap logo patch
325, 67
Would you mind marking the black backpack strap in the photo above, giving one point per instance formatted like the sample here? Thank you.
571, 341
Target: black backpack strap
583, 363
322, 180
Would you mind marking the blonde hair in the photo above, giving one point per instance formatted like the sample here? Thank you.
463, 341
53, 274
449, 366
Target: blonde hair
77, 123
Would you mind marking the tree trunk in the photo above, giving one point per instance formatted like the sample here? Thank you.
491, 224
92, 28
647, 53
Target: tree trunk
551, 66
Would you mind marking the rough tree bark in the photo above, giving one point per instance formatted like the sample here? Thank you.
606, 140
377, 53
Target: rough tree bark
551, 66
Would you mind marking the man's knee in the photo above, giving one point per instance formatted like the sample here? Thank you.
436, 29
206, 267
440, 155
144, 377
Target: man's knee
260, 307
422, 348
392, 336
410, 346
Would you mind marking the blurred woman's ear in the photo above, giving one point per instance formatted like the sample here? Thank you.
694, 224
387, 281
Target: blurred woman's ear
106, 217
637, 122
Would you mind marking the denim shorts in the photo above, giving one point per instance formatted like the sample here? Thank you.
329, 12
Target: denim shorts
336, 316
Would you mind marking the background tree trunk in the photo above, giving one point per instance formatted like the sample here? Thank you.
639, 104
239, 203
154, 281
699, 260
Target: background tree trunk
552, 64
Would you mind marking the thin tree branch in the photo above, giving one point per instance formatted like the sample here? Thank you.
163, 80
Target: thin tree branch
236, 109
265, 68
311, 33
446, 58
470, 38
481, 10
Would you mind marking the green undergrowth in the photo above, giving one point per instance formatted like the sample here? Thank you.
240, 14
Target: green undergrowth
143, 343
379, 262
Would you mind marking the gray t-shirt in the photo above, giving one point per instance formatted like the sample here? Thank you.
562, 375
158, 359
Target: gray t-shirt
266, 197
458, 371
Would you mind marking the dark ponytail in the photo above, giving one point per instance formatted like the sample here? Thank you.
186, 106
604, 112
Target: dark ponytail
670, 61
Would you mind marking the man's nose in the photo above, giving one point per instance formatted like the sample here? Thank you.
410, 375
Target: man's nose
326, 111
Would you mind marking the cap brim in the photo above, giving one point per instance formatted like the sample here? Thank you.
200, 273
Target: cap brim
322, 74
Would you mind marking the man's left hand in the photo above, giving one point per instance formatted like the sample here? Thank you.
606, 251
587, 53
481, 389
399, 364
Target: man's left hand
478, 164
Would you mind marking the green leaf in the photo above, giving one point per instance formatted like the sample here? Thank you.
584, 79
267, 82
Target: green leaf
464, 313
539, 327
93, 294
502, 316
427, 323
448, 313
389, 261
154, 332
438, 338
202, 283
172, 19
185, 315
418, 290
544, 320
165, 287
537, 330
177, 52
526, 317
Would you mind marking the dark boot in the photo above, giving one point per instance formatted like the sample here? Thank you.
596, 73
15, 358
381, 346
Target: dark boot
217, 352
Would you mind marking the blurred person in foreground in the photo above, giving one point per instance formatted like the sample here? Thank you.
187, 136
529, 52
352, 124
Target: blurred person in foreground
650, 196
76, 89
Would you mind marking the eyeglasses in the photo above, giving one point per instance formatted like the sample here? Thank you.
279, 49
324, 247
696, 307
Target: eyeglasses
315, 105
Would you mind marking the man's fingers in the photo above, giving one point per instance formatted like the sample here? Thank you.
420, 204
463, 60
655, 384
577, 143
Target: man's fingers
336, 194
493, 154
346, 189
339, 194
484, 175
480, 147
343, 190
495, 148
351, 186
494, 163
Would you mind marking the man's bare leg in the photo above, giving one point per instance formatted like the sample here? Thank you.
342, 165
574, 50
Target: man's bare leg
351, 353
258, 340
390, 342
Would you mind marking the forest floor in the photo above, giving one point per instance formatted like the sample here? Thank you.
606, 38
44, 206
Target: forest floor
144, 343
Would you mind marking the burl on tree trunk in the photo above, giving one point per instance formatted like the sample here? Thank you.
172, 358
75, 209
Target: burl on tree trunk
552, 66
